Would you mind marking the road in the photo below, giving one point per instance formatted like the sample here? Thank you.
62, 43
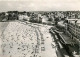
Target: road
27, 40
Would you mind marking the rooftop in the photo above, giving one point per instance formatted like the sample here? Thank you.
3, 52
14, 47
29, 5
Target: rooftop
78, 22
73, 21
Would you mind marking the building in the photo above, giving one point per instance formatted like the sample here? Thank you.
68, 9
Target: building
70, 36
73, 26
74, 29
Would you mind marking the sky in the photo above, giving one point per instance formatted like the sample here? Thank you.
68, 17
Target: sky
39, 5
